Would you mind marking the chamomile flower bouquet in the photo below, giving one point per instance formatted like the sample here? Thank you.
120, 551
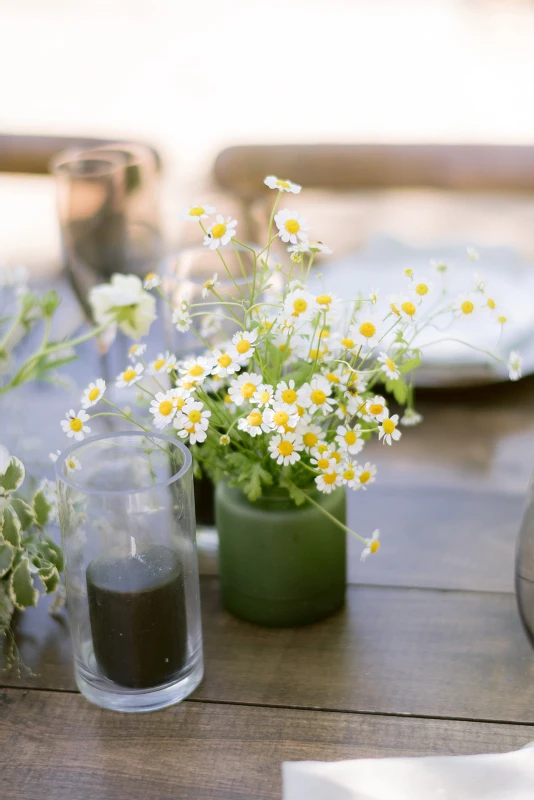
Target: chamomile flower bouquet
289, 385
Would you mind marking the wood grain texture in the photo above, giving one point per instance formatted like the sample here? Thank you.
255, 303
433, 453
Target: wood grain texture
242, 169
402, 651
58, 746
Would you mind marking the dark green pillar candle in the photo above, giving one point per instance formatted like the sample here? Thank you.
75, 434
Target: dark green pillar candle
138, 616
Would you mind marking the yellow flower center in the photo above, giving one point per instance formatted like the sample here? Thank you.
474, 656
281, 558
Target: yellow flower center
502, 320
93, 394
158, 364
374, 547
128, 375
289, 396
218, 230
421, 289
318, 397
179, 402
322, 448
188, 385
282, 347
150, 276
367, 329
300, 411
491, 303
310, 439
225, 360
292, 226
467, 307
285, 448
243, 346
388, 425
314, 353
324, 299
165, 408
395, 309
283, 184
265, 397
391, 365
76, 424
133, 349
409, 308
350, 437
208, 284
299, 306
227, 399
348, 343
280, 417
376, 408
323, 463
364, 476
330, 477
336, 456
196, 371
332, 378
197, 211
348, 474
408, 272
194, 415
247, 390
255, 418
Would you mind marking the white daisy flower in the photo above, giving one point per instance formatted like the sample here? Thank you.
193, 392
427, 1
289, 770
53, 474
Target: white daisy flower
286, 396
243, 342
348, 473
284, 448
301, 247
226, 362
311, 434
279, 419
74, 426
164, 363
210, 285
389, 367
349, 439
291, 226
286, 323
197, 212
408, 310
464, 305
367, 331
283, 185
408, 272
411, 417
179, 397
330, 479
319, 247
373, 296
130, 376
372, 545
375, 409
93, 393
489, 303
422, 288
324, 301
192, 421
472, 254
224, 440
244, 387
196, 369
316, 395
72, 464
515, 363
181, 320
263, 396
301, 304
163, 407
389, 431
323, 461
54, 456
152, 280
221, 232
135, 351
255, 423
124, 303
365, 474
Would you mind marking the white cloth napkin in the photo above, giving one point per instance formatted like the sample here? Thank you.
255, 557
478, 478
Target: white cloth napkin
506, 776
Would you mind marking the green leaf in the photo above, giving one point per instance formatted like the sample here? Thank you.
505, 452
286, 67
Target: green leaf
398, 389
21, 589
11, 527
411, 363
52, 552
257, 476
24, 512
41, 508
6, 606
50, 302
296, 494
7, 553
13, 476
51, 583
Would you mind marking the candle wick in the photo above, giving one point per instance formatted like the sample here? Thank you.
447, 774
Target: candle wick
133, 549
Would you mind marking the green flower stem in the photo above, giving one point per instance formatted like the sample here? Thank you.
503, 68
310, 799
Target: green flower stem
333, 519
240, 260
121, 414
236, 319
271, 219
225, 265
471, 347
11, 330
144, 389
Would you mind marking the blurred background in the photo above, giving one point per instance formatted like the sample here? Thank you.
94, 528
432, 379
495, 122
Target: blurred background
192, 79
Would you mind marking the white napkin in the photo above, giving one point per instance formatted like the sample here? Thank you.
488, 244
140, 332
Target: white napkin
507, 776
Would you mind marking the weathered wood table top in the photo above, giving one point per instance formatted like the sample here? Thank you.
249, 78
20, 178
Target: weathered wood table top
428, 657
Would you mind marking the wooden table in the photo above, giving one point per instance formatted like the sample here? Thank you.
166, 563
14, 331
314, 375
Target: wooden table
427, 657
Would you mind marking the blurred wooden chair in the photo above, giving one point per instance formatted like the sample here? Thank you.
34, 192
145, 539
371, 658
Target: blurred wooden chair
483, 171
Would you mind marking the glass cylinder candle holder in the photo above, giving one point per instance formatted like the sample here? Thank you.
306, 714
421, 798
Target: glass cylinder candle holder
127, 519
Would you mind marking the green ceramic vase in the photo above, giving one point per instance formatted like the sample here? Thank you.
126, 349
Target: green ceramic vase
280, 565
